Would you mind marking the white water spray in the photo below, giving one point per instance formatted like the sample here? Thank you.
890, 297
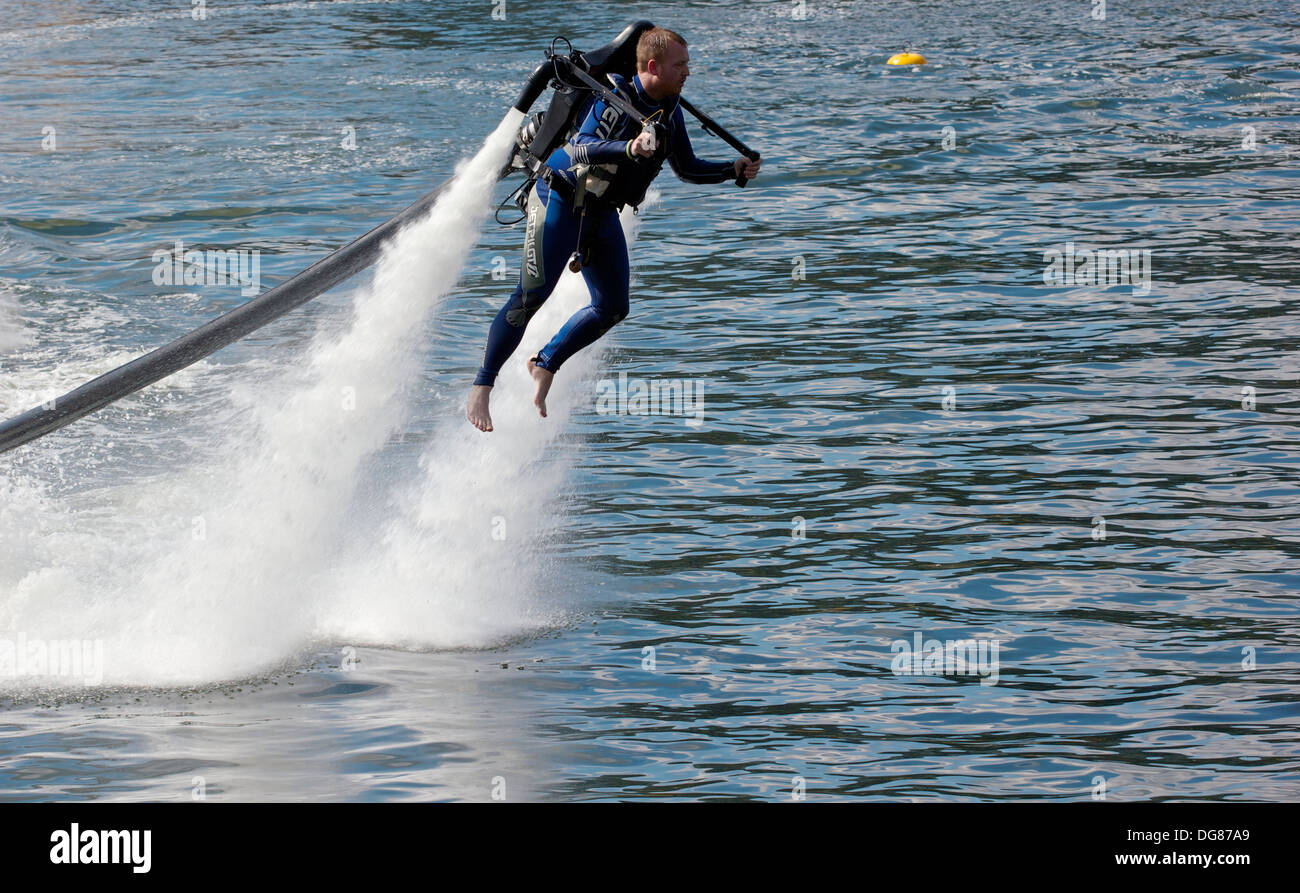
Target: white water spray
486, 502
11, 331
239, 562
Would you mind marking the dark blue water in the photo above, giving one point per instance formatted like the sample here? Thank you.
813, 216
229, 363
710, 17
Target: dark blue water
905, 431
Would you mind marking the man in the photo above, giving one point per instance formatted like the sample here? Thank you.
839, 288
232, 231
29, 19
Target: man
609, 162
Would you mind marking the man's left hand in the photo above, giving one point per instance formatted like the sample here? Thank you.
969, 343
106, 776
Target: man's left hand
746, 168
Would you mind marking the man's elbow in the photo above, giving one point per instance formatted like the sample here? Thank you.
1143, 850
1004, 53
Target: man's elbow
689, 174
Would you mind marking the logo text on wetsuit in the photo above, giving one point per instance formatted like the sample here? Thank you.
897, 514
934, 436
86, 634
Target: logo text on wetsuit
608, 119
530, 247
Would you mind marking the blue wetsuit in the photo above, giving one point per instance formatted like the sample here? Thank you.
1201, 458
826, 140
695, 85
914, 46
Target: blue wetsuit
557, 226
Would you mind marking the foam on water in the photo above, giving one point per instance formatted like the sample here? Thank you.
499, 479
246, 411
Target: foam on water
475, 522
11, 327
263, 545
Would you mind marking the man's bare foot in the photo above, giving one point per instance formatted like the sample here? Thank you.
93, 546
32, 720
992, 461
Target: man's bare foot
477, 410
542, 378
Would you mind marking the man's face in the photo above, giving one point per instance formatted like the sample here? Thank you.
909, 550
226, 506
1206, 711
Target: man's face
673, 69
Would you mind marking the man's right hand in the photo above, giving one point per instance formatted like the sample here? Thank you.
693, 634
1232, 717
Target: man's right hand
644, 144
747, 168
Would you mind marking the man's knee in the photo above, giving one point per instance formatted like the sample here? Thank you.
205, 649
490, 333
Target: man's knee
524, 306
610, 317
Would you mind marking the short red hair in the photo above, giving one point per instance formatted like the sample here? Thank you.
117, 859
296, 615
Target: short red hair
653, 44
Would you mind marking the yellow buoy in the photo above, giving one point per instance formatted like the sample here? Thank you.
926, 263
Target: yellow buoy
906, 59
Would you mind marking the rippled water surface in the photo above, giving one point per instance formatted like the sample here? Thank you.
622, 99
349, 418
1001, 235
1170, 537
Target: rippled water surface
906, 430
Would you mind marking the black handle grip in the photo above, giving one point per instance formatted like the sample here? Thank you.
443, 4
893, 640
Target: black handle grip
742, 179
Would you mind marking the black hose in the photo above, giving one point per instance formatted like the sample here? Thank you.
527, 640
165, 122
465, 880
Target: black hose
722, 133
321, 276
